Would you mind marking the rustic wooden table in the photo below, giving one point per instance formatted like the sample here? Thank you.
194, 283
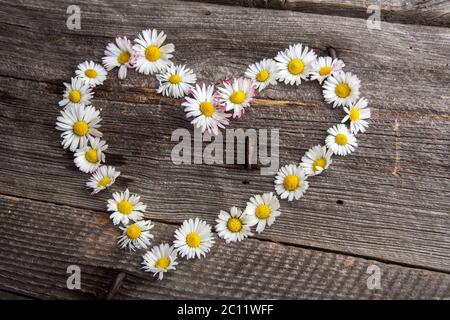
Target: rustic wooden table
386, 205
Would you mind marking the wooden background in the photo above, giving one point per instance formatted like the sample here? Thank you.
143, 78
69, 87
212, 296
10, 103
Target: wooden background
387, 204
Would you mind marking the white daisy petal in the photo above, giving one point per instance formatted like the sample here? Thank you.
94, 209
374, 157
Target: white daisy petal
290, 182
136, 235
263, 73
119, 54
358, 114
193, 239
104, 177
262, 210
160, 259
233, 226
92, 73
89, 157
151, 55
295, 64
323, 67
236, 95
77, 93
315, 160
341, 89
78, 124
176, 81
340, 140
125, 207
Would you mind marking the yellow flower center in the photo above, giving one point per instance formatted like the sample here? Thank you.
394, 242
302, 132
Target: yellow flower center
341, 139
343, 90
162, 263
91, 73
291, 182
262, 211
123, 57
104, 182
175, 79
234, 225
75, 96
322, 162
296, 66
207, 108
91, 155
80, 128
262, 76
237, 97
134, 231
152, 53
193, 240
125, 207
355, 114
325, 70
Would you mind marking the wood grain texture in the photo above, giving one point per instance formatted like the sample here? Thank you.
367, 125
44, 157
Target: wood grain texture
37, 249
428, 12
394, 189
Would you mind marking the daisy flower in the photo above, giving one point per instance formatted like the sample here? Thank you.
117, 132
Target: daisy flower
77, 93
151, 55
315, 160
263, 73
295, 64
89, 157
92, 73
323, 67
233, 226
202, 107
341, 89
119, 54
104, 177
358, 114
236, 95
176, 81
160, 259
136, 235
79, 124
290, 182
340, 140
125, 207
193, 239
263, 210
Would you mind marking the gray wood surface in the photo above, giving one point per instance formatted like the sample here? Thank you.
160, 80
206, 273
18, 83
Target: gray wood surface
388, 203
426, 12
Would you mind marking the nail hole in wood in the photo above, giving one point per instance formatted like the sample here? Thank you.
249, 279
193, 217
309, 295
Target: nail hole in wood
245, 182
340, 202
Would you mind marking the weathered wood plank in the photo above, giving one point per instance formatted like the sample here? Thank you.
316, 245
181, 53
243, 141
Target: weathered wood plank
40, 240
431, 12
394, 189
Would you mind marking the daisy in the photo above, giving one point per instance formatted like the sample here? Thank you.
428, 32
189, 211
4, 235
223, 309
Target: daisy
202, 107
263, 73
160, 259
151, 55
295, 64
136, 235
193, 239
119, 54
176, 81
316, 159
233, 226
340, 140
358, 114
125, 207
341, 89
89, 157
77, 93
323, 67
79, 124
236, 95
290, 182
92, 73
263, 210
103, 178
